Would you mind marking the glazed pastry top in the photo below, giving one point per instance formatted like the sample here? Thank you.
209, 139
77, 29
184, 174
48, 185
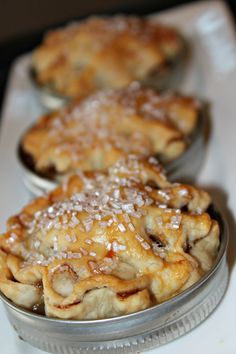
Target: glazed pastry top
105, 52
93, 133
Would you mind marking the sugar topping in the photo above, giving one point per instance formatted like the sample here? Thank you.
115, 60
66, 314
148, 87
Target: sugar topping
91, 122
103, 124
75, 225
103, 199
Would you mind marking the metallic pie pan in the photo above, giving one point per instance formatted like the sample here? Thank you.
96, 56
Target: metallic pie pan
131, 333
185, 168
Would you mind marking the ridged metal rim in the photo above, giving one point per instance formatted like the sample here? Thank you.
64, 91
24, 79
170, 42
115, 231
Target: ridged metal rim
200, 299
137, 343
37, 184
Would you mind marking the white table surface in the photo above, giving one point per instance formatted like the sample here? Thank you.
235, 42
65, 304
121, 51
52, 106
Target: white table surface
211, 74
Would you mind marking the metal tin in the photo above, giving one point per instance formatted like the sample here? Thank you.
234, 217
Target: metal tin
185, 168
139, 331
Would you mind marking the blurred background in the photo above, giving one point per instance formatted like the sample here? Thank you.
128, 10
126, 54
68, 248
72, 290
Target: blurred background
23, 22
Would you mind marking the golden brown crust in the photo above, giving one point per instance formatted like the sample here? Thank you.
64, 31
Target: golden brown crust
104, 245
104, 53
93, 133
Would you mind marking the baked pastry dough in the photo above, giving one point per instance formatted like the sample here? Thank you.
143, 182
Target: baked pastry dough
95, 132
106, 52
108, 244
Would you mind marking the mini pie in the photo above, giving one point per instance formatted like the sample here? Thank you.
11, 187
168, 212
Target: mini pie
93, 133
106, 52
108, 244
